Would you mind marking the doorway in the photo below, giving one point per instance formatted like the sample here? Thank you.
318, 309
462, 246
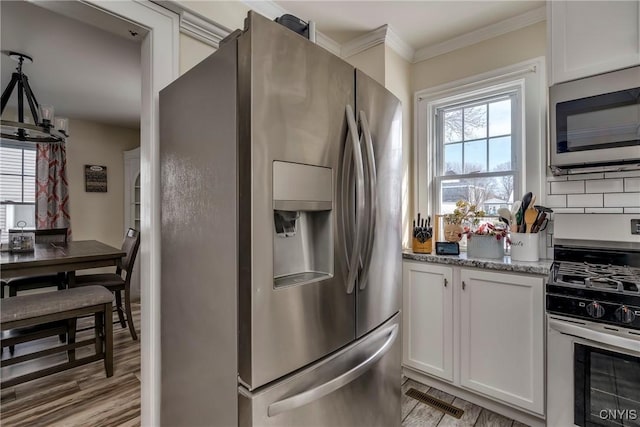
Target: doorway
159, 66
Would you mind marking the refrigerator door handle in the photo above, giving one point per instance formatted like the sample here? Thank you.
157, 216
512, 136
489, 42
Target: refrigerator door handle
373, 199
313, 394
354, 258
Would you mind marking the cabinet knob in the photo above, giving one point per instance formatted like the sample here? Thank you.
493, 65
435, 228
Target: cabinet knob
464, 285
445, 282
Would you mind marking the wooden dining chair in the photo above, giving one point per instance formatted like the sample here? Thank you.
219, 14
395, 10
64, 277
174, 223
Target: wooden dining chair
50, 235
114, 281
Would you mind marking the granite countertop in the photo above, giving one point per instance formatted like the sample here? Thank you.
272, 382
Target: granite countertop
505, 264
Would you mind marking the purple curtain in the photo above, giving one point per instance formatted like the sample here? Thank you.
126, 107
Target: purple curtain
52, 189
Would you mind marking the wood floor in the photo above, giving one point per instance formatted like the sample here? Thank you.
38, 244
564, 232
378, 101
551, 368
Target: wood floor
417, 414
81, 396
85, 397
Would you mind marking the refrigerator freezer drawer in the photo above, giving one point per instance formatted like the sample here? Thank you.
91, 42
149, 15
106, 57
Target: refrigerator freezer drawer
357, 386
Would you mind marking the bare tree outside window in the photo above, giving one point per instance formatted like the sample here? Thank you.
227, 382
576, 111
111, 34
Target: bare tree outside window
476, 154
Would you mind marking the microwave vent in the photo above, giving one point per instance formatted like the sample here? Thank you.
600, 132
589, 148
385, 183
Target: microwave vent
595, 168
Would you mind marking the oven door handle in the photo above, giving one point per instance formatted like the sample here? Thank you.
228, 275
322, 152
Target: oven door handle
595, 336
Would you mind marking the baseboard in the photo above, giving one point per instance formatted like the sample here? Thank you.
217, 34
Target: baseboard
492, 405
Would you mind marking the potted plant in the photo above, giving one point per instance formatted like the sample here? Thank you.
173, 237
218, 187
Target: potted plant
486, 241
464, 212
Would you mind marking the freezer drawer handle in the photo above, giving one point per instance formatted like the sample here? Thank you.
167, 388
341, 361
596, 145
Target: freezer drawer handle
354, 259
320, 391
373, 199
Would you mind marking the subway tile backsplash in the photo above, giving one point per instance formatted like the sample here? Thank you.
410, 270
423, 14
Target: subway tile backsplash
584, 200
594, 193
604, 185
632, 184
622, 199
567, 187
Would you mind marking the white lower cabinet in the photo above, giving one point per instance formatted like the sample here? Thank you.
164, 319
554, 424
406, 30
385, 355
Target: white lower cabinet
428, 331
502, 337
479, 330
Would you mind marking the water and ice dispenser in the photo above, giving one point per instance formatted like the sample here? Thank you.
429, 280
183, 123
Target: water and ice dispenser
302, 225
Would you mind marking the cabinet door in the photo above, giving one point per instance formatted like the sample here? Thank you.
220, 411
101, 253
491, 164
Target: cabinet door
502, 337
593, 37
428, 319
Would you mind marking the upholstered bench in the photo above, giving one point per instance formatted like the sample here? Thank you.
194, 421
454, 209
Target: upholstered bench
29, 317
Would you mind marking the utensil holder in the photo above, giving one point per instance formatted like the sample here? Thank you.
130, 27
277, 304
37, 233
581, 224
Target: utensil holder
524, 247
421, 247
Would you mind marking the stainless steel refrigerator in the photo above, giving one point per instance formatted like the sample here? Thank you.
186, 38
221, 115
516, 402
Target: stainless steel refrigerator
281, 253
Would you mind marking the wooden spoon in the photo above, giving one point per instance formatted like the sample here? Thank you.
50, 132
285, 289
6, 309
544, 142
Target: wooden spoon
530, 216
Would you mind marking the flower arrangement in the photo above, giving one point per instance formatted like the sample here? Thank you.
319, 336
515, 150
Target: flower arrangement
488, 229
464, 212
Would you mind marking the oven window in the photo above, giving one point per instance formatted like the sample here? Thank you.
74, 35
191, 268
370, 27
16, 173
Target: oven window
598, 122
607, 388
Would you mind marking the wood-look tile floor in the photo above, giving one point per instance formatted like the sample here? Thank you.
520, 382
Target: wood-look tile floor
417, 414
82, 396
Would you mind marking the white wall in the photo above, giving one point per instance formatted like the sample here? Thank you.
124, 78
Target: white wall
398, 81
511, 48
192, 51
98, 216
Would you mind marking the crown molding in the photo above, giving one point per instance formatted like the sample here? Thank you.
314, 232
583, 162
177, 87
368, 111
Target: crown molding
402, 48
268, 8
503, 27
328, 43
364, 42
202, 29
381, 35
196, 25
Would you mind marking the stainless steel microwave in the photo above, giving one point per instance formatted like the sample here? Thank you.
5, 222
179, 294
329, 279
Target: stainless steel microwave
595, 123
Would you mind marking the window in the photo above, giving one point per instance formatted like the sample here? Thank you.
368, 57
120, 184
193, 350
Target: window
476, 150
481, 139
17, 187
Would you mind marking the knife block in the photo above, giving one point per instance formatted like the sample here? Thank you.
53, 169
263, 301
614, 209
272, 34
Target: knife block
421, 247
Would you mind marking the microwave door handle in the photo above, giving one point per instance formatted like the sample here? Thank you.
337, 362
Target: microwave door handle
373, 199
316, 393
354, 259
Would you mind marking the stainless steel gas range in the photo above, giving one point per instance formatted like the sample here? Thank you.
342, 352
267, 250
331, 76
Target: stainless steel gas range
600, 285
593, 334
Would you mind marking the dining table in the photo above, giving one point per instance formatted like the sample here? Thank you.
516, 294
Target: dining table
48, 258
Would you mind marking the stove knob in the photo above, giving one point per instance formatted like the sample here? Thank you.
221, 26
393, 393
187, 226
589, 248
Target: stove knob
625, 315
595, 310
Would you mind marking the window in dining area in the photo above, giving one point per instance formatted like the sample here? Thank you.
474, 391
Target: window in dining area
17, 186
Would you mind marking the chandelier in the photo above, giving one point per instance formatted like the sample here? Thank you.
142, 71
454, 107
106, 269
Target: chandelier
43, 127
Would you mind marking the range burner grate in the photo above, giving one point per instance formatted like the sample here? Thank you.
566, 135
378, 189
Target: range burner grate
616, 278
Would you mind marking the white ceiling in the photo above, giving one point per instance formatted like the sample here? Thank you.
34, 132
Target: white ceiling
418, 23
83, 71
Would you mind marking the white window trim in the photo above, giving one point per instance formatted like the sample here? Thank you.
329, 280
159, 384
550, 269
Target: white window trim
437, 159
529, 77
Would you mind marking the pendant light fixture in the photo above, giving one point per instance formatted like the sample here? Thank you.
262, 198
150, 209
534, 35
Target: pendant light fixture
43, 127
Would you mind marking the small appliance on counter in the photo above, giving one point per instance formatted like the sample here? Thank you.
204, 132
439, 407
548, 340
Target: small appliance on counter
593, 327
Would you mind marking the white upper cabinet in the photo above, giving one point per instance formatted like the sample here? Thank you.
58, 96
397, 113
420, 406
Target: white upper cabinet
592, 37
428, 318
